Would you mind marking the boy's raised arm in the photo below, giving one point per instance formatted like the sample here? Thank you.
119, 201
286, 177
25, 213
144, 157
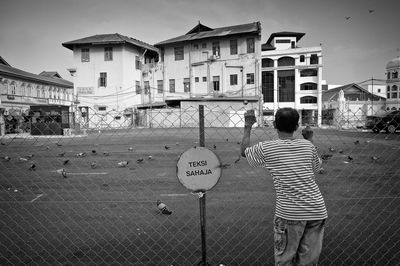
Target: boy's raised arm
249, 120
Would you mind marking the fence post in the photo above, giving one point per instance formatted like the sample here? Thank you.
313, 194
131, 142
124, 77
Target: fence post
202, 198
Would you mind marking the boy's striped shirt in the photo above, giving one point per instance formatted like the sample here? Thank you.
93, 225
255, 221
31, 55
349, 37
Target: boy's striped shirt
292, 164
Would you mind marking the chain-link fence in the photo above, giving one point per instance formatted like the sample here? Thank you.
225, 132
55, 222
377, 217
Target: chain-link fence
88, 197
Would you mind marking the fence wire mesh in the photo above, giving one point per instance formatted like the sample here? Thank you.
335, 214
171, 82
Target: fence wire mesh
88, 197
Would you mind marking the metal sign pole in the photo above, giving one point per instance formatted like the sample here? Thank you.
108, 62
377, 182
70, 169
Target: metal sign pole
202, 198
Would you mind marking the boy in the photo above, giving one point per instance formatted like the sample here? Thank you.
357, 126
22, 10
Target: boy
300, 210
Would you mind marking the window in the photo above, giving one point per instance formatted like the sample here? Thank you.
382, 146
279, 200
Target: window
85, 56
216, 83
196, 79
234, 47
234, 79
308, 99
204, 79
286, 85
394, 92
215, 49
195, 46
171, 85
103, 79
250, 78
309, 73
13, 89
267, 62
283, 41
267, 86
160, 87
108, 53
308, 86
388, 75
186, 85
314, 59
388, 92
102, 108
137, 62
286, 61
204, 45
293, 44
178, 53
250, 45
146, 87
138, 89
394, 75
302, 58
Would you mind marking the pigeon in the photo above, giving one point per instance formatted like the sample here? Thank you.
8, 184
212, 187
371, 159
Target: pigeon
140, 160
61, 154
30, 156
81, 154
32, 167
93, 165
22, 159
150, 157
326, 156
357, 142
374, 158
215, 147
331, 149
238, 142
166, 147
130, 149
7, 158
94, 152
47, 148
123, 163
62, 172
340, 151
350, 158
65, 162
163, 208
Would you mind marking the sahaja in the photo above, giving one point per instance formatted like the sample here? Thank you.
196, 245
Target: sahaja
198, 172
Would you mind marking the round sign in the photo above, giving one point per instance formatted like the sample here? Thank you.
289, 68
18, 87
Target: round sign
198, 169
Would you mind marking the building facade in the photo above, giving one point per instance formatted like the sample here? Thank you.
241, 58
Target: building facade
291, 76
393, 84
107, 75
207, 63
21, 91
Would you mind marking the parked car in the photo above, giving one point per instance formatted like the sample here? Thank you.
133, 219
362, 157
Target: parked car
390, 122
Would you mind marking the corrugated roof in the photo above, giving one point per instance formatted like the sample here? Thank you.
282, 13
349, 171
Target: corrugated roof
18, 73
333, 94
298, 35
114, 38
254, 27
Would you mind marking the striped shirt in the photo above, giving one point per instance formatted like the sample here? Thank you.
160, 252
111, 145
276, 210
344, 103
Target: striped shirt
292, 164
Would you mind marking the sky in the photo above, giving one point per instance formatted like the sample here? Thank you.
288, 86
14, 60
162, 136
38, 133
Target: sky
358, 37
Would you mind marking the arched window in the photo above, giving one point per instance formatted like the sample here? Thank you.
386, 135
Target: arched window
395, 75
308, 99
388, 75
388, 92
308, 86
302, 58
267, 62
309, 73
394, 92
286, 61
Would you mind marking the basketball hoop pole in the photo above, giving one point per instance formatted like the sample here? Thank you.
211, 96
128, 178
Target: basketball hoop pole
202, 198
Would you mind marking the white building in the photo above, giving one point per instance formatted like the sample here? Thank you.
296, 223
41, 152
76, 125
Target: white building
212, 63
291, 76
108, 76
393, 84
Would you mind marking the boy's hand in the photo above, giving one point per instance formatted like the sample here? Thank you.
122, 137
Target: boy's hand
307, 133
249, 118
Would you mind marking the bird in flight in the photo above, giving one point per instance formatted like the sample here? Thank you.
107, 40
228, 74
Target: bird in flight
347, 18
371, 10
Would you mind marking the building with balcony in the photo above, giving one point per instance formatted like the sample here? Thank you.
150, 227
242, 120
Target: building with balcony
393, 84
107, 75
291, 76
21, 93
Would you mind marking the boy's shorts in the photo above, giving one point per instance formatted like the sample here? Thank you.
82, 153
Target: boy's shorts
297, 242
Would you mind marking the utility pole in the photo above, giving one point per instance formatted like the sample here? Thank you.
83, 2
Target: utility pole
372, 89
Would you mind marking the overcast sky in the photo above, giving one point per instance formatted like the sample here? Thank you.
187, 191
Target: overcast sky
354, 49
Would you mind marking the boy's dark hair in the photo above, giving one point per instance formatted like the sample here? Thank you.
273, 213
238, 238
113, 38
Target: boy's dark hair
286, 120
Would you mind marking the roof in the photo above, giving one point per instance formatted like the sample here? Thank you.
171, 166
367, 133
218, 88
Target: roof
298, 35
394, 63
3, 62
202, 32
114, 38
17, 73
333, 94
50, 74
267, 47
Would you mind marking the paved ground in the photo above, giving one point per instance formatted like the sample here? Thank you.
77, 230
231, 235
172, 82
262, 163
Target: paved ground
107, 214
